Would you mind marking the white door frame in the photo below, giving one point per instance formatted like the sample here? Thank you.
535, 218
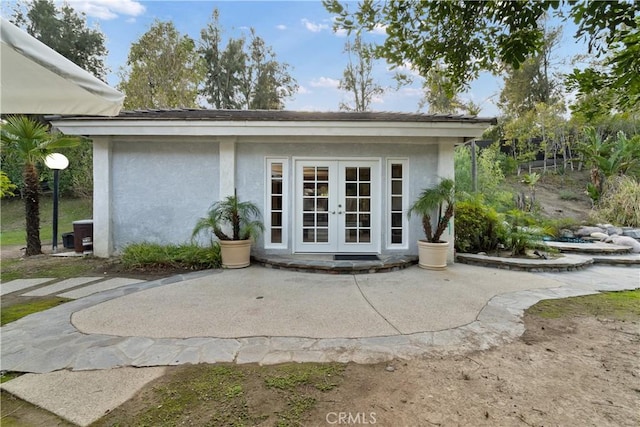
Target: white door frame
333, 226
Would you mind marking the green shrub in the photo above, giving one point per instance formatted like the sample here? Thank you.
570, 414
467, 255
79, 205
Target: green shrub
477, 226
187, 256
554, 227
523, 232
568, 195
6, 186
490, 175
620, 202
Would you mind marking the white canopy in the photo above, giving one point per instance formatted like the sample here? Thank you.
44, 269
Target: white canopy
35, 79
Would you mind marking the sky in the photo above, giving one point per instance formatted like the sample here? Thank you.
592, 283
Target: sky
301, 35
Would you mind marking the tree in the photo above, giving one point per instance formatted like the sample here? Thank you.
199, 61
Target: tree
66, 32
472, 36
29, 142
619, 75
164, 70
532, 82
267, 82
241, 75
438, 93
357, 77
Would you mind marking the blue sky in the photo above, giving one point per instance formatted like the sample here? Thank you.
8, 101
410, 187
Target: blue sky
300, 33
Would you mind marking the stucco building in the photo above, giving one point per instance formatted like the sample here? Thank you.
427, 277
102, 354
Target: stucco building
331, 182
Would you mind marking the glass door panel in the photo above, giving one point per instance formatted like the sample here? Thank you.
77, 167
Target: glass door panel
336, 204
357, 186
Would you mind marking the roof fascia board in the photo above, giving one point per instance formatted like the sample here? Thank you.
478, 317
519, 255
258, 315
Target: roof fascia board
269, 128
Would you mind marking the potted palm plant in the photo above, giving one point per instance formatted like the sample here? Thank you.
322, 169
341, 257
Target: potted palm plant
432, 251
238, 218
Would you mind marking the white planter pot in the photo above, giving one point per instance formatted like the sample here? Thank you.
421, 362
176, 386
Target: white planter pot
235, 253
432, 256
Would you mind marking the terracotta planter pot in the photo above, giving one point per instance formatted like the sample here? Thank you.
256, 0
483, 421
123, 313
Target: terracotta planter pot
235, 253
432, 256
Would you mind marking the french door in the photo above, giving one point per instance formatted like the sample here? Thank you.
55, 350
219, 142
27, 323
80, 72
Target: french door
337, 206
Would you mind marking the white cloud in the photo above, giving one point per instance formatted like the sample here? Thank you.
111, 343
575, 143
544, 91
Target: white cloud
341, 32
379, 29
325, 82
410, 92
406, 67
108, 9
313, 27
377, 99
281, 27
303, 90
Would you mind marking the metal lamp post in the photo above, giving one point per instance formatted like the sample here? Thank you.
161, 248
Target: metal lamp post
56, 162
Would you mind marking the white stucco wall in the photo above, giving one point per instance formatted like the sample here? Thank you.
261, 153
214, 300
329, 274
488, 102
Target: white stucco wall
160, 187
423, 172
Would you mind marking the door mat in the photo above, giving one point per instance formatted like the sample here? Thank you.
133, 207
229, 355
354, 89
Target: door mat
355, 257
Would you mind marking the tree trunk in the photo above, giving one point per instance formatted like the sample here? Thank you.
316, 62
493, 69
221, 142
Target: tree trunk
32, 209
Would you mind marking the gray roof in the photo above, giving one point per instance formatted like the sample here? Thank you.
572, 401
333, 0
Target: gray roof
281, 115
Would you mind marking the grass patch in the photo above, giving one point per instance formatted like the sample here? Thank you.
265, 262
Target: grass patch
44, 266
230, 395
8, 376
614, 305
12, 228
289, 377
186, 256
18, 311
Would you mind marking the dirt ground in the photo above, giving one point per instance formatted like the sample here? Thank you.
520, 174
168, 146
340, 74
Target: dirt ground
563, 372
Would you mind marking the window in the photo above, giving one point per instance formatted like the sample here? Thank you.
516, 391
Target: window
397, 203
276, 203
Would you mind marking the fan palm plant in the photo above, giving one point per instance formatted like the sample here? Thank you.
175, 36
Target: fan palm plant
240, 217
440, 197
27, 141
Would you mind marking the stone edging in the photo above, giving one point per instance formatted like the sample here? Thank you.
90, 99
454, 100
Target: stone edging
565, 263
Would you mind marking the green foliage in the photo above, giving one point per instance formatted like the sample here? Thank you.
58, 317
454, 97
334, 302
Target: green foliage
241, 74
477, 225
522, 232
186, 256
617, 155
439, 95
18, 311
554, 227
544, 123
6, 186
620, 202
27, 142
241, 217
435, 199
617, 81
66, 32
356, 78
531, 82
164, 70
491, 176
474, 36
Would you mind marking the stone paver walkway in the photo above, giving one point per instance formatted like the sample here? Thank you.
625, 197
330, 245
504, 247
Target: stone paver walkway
21, 284
48, 341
